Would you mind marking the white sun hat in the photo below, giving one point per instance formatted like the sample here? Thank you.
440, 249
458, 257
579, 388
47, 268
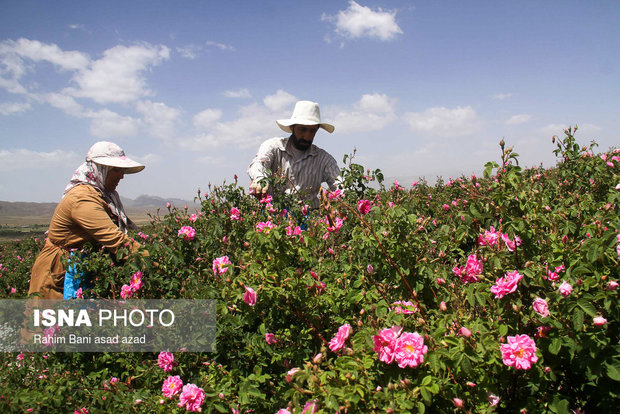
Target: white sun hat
110, 154
305, 113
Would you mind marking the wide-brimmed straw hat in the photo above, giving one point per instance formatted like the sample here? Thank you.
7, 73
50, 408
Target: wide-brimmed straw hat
110, 154
305, 113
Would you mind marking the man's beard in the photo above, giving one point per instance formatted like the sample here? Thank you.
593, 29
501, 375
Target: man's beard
300, 144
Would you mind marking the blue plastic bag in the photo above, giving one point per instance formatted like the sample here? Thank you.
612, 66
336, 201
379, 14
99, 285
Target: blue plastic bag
74, 280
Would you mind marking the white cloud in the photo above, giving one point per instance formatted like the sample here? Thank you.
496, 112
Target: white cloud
37, 51
23, 159
189, 51
148, 159
220, 46
16, 59
241, 93
65, 103
371, 113
378, 103
160, 118
206, 118
443, 121
110, 125
502, 96
254, 124
518, 119
12, 86
279, 101
213, 161
118, 75
79, 27
12, 108
360, 21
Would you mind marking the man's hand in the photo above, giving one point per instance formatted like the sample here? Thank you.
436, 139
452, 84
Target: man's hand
258, 190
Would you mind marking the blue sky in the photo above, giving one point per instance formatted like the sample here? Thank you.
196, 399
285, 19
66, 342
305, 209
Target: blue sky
419, 88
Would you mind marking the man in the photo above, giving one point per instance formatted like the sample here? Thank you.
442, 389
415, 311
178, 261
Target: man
304, 165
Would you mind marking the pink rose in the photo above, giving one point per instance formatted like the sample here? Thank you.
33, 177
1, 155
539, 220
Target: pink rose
265, 227
464, 332
220, 265
406, 307
310, 407
192, 398
519, 352
291, 373
171, 386
337, 341
249, 296
458, 403
599, 321
126, 292
565, 289
511, 244
165, 360
364, 206
471, 271
270, 338
385, 343
612, 285
541, 307
409, 350
505, 285
187, 232
489, 237
136, 281
235, 213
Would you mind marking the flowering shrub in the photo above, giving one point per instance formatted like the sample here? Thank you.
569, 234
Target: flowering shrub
494, 293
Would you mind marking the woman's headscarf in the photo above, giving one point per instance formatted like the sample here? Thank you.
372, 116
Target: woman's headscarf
91, 173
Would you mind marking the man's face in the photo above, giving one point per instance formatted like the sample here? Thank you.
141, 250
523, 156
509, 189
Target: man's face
303, 135
114, 176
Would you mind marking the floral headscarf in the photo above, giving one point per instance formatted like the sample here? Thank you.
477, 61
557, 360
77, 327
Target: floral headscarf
91, 173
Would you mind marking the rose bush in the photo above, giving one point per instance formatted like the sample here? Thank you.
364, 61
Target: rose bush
388, 299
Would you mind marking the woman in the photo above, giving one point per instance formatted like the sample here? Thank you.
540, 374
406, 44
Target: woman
90, 211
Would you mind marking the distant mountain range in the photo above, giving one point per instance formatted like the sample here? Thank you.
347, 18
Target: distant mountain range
142, 203
155, 201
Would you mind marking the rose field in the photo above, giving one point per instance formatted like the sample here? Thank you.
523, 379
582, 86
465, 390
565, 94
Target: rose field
477, 294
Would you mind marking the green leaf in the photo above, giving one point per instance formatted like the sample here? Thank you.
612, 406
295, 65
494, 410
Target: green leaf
559, 406
220, 408
587, 307
433, 360
555, 345
613, 370
426, 380
425, 394
578, 320
503, 330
